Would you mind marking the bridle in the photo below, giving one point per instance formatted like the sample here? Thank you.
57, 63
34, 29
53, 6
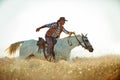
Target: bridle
77, 40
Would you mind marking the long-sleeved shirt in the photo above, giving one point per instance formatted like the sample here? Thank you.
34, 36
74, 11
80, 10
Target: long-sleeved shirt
55, 29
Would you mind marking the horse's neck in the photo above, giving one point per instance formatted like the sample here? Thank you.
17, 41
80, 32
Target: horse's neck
72, 40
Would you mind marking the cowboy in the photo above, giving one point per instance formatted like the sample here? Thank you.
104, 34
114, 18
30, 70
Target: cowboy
53, 33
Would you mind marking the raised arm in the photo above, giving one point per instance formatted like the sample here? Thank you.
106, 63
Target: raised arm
67, 32
50, 25
38, 29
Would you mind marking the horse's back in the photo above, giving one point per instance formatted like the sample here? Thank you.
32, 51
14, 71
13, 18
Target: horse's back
30, 42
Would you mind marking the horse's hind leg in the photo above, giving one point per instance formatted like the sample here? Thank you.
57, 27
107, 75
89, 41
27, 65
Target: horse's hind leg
23, 54
23, 57
30, 56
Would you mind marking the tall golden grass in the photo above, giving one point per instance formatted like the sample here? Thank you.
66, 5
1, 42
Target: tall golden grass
102, 68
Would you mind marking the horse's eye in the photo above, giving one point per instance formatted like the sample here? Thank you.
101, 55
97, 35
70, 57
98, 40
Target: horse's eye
86, 40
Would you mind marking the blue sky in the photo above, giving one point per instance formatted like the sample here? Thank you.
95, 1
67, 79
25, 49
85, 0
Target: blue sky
99, 18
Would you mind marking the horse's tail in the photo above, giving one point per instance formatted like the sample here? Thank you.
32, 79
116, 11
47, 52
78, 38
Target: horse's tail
13, 47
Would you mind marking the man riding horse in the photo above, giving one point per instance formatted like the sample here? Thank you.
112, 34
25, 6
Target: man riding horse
52, 34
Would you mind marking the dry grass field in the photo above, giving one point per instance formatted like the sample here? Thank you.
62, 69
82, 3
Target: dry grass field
101, 68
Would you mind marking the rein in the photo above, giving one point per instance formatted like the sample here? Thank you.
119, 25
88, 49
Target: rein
77, 40
70, 43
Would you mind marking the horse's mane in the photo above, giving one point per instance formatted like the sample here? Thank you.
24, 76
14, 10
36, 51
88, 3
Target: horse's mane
69, 37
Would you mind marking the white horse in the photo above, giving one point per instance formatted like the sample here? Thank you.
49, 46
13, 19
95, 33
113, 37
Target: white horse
62, 48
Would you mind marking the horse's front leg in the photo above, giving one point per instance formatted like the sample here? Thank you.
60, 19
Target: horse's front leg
68, 57
57, 58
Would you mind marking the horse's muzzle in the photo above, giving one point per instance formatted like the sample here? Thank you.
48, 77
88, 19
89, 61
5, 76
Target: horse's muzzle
90, 49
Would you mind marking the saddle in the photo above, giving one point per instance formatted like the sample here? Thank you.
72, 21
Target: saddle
42, 44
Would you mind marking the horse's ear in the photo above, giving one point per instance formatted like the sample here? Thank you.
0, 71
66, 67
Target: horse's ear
82, 34
86, 35
39, 37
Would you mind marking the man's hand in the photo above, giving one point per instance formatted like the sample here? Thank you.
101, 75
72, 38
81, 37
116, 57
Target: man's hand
38, 29
73, 32
70, 33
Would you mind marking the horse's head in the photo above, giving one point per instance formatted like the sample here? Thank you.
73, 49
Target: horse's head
85, 43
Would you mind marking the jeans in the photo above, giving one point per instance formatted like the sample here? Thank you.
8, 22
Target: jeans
51, 41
